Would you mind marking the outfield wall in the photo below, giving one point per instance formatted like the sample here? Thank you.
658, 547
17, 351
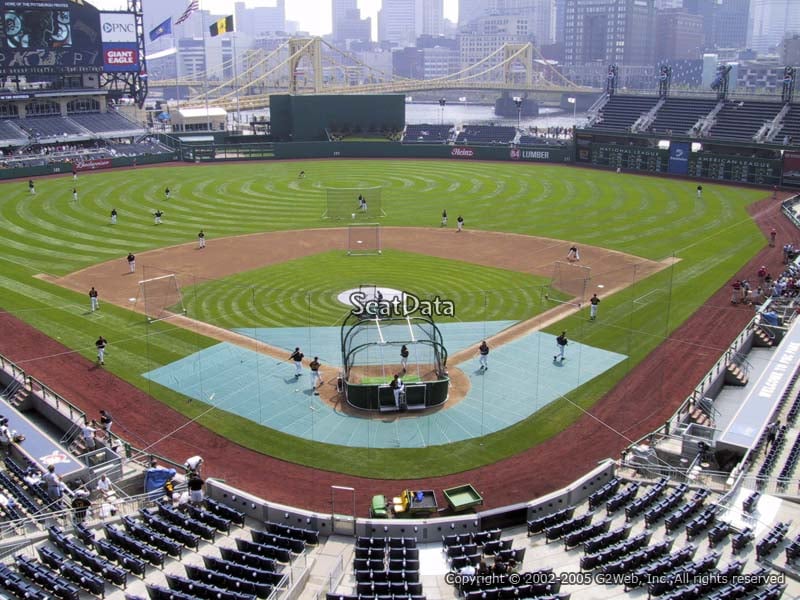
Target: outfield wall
88, 165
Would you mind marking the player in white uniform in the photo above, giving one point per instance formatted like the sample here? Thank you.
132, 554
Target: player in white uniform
201, 239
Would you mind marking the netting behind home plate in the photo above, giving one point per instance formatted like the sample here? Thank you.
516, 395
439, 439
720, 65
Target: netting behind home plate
371, 348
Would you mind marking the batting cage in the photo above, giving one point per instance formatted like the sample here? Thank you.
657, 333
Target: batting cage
160, 297
570, 279
373, 349
364, 239
354, 204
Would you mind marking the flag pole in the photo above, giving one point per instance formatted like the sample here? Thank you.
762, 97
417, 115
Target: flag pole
205, 63
177, 71
236, 83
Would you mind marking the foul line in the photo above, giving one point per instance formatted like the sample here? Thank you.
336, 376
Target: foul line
637, 300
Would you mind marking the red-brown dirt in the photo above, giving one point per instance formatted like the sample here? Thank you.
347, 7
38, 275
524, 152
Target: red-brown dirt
637, 405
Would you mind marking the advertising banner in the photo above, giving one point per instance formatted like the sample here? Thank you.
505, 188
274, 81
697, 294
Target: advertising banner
49, 36
120, 50
679, 158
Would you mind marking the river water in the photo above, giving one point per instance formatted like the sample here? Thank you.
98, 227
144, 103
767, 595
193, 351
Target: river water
479, 114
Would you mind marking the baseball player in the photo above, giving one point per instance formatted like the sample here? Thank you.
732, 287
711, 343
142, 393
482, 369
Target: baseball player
561, 344
101, 344
573, 255
167, 193
404, 357
397, 389
131, 262
302, 175
31, 186
157, 217
113, 216
93, 299
201, 239
316, 378
444, 218
74, 173
772, 235
483, 350
74, 194
699, 191
459, 223
297, 357
593, 301
362, 203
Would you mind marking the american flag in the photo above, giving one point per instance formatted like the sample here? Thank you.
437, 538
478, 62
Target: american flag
193, 6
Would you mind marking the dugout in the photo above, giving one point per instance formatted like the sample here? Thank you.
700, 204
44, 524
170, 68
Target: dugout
311, 118
371, 346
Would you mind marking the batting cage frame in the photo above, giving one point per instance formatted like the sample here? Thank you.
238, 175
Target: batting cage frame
159, 295
572, 279
345, 203
371, 357
364, 239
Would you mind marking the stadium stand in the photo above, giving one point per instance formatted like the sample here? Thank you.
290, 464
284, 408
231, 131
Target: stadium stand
12, 134
53, 128
486, 134
427, 134
742, 120
109, 123
678, 115
621, 112
790, 131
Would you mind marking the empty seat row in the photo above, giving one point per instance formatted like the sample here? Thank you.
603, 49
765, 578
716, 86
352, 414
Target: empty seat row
309, 536
383, 588
206, 591
539, 524
126, 560
270, 539
622, 498
136, 547
607, 539
681, 515
207, 517
556, 532
384, 575
604, 493
248, 559
384, 542
242, 571
228, 582
151, 537
19, 586
169, 529
615, 552
76, 573
47, 578
688, 572
639, 505
98, 564
650, 571
279, 554
578, 537
188, 522
654, 514
702, 521
223, 510
638, 558
775, 536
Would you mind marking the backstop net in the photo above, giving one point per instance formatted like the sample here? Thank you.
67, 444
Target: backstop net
161, 297
371, 349
570, 282
364, 239
354, 204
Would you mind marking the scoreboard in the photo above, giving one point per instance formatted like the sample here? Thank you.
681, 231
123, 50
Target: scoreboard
735, 168
635, 158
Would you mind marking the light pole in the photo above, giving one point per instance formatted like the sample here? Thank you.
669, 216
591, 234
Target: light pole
574, 101
442, 102
518, 104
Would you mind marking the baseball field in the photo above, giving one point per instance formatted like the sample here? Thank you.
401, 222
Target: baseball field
650, 248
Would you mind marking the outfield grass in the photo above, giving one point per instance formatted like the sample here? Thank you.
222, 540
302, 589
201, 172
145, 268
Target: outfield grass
303, 292
654, 218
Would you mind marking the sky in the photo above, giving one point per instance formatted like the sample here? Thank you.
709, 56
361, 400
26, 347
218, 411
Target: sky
314, 16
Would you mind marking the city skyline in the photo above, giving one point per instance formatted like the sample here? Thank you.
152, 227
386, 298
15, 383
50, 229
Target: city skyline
313, 16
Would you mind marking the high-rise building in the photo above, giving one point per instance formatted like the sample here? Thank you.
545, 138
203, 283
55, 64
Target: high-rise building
609, 32
725, 22
541, 15
400, 21
339, 12
770, 21
679, 34
432, 17
790, 50
260, 20
558, 32
469, 10
485, 35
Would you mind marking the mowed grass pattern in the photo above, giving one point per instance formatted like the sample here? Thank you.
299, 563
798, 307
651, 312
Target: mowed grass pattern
654, 218
302, 292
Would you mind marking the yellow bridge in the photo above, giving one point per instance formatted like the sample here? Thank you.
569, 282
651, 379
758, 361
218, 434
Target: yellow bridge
312, 66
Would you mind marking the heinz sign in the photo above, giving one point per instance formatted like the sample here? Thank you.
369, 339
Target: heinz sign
461, 152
